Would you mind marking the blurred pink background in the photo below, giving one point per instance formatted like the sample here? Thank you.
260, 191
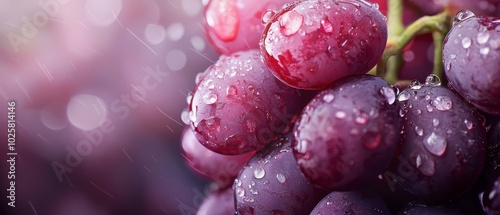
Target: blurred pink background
99, 87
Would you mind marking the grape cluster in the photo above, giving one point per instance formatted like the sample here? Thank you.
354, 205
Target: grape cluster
293, 120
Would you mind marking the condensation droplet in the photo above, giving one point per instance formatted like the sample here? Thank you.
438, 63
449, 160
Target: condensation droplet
442, 103
290, 23
415, 85
267, 16
340, 114
484, 51
280, 178
389, 94
240, 191
429, 108
425, 165
419, 131
404, 96
463, 15
483, 37
466, 42
468, 124
435, 144
210, 98
328, 98
259, 173
432, 80
327, 25
435, 122
231, 91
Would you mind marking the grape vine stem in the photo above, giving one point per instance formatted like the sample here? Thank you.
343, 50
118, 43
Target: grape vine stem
399, 37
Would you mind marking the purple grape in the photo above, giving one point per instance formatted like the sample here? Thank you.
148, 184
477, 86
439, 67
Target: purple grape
218, 203
442, 145
491, 198
236, 25
272, 183
238, 105
354, 202
348, 133
223, 169
419, 209
471, 55
312, 43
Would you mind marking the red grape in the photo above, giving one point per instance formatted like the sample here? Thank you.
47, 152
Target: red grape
239, 106
312, 43
471, 55
348, 133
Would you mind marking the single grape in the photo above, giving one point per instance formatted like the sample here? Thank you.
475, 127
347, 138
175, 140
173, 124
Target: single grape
491, 200
223, 169
471, 56
354, 202
239, 106
443, 144
415, 208
348, 133
219, 202
312, 43
236, 25
272, 183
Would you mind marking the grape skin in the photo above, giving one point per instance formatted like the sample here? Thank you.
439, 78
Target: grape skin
443, 144
222, 169
271, 183
312, 43
471, 56
348, 133
238, 106
354, 202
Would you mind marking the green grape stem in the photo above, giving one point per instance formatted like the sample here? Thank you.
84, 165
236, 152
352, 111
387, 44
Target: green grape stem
399, 36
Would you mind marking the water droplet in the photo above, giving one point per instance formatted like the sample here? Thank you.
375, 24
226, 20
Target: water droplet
426, 165
240, 191
267, 16
429, 108
419, 131
185, 116
375, 6
427, 97
237, 182
280, 178
484, 50
340, 114
329, 202
468, 124
218, 73
209, 83
435, 122
419, 112
415, 85
389, 94
483, 37
463, 15
442, 103
198, 77
404, 96
328, 98
189, 97
435, 144
302, 147
230, 72
466, 42
231, 91
290, 23
362, 119
210, 98
259, 173
432, 80
192, 116
327, 25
